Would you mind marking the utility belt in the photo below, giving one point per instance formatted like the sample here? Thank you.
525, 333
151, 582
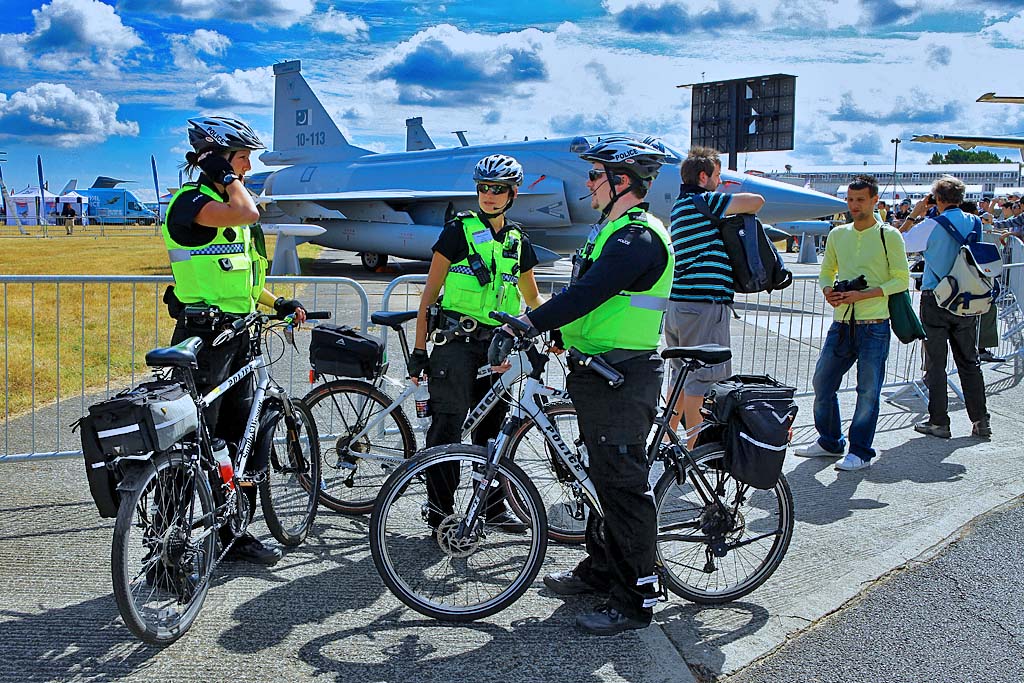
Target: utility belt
603, 364
202, 317
445, 326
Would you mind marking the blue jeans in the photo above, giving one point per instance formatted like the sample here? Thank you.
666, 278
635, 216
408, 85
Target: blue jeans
868, 346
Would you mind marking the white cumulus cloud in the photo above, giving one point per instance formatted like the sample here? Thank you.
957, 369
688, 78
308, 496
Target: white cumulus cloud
1011, 30
53, 113
335, 21
281, 13
187, 48
84, 35
241, 87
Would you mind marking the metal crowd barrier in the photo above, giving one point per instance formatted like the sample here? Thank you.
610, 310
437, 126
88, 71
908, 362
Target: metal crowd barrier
83, 318
778, 334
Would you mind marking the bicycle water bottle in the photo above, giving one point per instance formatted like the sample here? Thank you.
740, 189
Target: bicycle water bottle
422, 398
223, 458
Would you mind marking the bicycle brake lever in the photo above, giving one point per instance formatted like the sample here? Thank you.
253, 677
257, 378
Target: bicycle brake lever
223, 337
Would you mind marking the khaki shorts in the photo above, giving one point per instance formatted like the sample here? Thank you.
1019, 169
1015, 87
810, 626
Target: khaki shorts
692, 323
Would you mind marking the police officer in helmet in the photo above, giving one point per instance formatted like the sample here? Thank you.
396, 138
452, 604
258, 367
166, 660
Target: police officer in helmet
219, 261
614, 308
483, 262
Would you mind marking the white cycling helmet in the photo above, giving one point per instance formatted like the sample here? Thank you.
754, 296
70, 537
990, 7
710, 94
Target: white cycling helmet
498, 168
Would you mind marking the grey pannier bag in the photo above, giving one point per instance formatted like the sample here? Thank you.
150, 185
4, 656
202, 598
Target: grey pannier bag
972, 284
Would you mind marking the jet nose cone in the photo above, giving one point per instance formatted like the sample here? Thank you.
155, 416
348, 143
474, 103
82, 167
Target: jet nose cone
784, 202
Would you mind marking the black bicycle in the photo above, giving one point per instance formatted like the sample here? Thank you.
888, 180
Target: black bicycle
174, 502
718, 539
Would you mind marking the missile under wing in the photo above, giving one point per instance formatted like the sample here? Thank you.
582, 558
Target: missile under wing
396, 203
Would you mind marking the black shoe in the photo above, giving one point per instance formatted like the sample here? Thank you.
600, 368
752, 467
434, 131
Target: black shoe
248, 549
987, 356
941, 431
607, 621
507, 522
982, 429
567, 583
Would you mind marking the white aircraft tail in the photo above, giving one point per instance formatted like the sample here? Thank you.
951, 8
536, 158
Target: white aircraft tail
303, 130
416, 137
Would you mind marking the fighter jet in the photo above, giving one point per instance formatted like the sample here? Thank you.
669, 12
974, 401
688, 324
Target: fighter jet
972, 141
396, 203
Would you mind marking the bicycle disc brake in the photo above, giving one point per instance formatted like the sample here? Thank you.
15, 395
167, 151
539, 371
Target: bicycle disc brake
448, 537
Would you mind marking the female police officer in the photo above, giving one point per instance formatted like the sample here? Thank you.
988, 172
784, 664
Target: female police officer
485, 263
614, 307
219, 263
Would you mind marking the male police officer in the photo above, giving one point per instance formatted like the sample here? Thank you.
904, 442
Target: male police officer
614, 307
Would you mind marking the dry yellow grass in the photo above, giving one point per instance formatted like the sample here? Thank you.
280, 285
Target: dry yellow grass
91, 322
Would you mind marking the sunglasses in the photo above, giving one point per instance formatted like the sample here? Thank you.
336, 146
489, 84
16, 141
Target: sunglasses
484, 188
595, 174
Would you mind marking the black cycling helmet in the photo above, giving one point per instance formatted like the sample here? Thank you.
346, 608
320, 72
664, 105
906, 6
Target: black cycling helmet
498, 168
641, 159
220, 132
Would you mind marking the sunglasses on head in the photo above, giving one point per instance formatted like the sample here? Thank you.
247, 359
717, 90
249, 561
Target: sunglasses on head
485, 188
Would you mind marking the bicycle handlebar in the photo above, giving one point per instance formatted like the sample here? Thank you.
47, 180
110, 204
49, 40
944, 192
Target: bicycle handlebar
242, 323
512, 321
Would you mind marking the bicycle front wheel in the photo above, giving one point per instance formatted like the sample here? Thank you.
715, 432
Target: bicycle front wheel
163, 549
354, 469
427, 557
291, 490
719, 544
563, 499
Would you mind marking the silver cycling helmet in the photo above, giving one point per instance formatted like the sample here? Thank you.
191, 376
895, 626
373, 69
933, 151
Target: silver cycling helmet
207, 132
640, 158
498, 168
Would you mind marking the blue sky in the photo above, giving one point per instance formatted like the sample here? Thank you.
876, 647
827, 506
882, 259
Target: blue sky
97, 87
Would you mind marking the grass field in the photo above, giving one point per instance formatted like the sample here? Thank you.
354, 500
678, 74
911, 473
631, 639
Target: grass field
76, 328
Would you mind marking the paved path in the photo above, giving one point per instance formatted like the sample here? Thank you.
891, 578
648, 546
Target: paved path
951, 617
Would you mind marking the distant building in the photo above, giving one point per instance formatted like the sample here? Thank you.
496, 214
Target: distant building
912, 181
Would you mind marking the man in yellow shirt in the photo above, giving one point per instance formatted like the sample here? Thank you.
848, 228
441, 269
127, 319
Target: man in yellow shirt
859, 273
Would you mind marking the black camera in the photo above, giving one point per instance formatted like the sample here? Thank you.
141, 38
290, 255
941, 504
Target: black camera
855, 285
930, 200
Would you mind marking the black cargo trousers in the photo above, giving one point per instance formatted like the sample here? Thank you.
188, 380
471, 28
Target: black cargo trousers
615, 424
227, 416
454, 391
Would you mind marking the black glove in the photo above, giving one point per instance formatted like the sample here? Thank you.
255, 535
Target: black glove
556, 339
215, 167
418, 363
286, 306
501, 345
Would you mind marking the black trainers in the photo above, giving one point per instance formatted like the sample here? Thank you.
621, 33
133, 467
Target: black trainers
982, 429
607, 621
933, 430
507, 522
567, 583
987, 356
249, 549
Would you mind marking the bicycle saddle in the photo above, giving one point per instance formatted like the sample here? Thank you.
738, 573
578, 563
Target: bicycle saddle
392, 319
181, 356
711, 354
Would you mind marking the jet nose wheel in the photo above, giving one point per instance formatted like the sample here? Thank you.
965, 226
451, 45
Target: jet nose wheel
373, 260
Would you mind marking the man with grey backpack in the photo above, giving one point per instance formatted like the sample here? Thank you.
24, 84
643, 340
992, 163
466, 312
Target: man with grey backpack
957, 267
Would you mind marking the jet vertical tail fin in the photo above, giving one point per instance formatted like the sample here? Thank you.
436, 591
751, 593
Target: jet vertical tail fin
303, 130
416, 137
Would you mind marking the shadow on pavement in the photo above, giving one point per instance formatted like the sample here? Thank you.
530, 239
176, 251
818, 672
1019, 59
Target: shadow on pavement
702, 631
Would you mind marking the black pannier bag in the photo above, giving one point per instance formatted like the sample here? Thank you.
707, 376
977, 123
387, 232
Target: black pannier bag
148, 418
757, 413
756, 263
342, 351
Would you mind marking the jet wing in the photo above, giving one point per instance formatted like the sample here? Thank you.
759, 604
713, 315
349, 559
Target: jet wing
971, 141
369, 196
1000, 99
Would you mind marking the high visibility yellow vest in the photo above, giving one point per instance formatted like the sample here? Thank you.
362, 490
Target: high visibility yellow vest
629, 320
464, 294
229, 271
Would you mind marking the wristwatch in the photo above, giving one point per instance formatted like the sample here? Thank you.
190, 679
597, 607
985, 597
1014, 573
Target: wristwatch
228, 179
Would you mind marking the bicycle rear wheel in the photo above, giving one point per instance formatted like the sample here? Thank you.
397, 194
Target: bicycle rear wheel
441, 572
709, 556
291, 490
342, 409
163, 549
563, 500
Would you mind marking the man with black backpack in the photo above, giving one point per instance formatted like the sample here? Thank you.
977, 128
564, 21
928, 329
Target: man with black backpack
702, 286
865, 263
